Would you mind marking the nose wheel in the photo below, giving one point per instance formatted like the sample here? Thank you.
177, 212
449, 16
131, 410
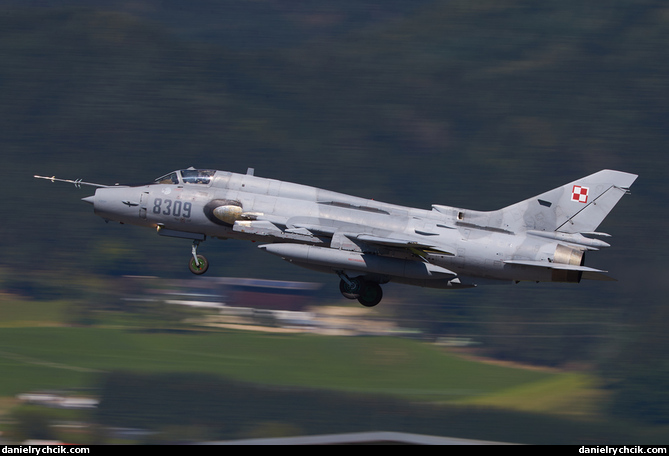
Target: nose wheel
198, 264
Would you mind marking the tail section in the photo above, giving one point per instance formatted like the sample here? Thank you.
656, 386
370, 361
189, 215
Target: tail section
578, 207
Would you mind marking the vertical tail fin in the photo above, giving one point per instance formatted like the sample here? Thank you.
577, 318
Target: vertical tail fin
577, 207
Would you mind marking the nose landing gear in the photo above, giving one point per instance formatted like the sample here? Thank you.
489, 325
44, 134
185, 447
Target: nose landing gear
198, 264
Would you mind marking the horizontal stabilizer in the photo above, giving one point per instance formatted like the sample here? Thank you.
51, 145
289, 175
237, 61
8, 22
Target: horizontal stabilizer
598, 276
577, 238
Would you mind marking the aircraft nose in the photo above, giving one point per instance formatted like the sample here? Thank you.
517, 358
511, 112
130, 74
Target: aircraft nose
89, 199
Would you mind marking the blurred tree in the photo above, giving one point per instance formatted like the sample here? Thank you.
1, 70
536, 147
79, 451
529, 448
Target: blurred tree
642, 393
474, 104
31, 424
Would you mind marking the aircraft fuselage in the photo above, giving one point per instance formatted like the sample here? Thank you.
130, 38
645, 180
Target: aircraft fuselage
367, 242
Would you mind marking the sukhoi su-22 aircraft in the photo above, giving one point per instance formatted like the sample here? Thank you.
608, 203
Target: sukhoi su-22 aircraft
367, 243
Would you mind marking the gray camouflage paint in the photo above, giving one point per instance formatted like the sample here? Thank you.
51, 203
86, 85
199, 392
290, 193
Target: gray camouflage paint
540, 239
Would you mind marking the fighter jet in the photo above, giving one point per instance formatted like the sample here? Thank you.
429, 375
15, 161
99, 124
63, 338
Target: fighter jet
367, 243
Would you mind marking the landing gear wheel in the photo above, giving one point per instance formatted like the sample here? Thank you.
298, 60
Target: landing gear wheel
371, 294
200, 267
353, 290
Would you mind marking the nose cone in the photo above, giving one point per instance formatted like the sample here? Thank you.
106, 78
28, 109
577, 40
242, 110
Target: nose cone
120, 204
89, 199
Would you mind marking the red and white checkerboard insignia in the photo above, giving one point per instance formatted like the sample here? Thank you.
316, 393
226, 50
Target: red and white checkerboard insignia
579, 194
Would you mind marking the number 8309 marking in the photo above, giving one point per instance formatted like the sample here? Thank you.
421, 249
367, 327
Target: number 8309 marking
175, 208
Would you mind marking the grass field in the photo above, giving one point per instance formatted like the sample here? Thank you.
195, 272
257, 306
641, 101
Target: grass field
19, 313
38, 352
52, 357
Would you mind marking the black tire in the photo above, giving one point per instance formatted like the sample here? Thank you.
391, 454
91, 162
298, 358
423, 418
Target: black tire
352, 291
371, 294
201, 266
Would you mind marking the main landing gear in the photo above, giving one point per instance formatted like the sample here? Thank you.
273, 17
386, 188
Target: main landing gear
367, 293
198, 264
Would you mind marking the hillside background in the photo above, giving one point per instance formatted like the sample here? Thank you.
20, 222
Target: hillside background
475, 104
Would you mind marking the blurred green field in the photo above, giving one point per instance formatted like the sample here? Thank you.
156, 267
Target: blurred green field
52, 357
16, 312
38, 352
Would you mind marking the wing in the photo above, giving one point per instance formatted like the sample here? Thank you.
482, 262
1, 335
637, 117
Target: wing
400, 243
560, 266
588, 273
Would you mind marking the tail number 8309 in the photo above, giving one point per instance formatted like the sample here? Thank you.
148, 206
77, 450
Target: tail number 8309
174, 208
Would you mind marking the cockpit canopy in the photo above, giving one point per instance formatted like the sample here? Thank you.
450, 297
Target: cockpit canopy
187, 176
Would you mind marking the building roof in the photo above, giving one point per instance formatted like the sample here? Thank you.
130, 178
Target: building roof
359, 438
